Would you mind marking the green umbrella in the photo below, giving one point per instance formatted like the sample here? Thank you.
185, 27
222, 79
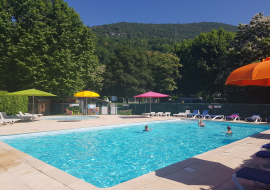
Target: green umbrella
31, 92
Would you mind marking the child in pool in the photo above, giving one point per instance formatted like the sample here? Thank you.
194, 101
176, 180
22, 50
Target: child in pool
146, 128
201, 124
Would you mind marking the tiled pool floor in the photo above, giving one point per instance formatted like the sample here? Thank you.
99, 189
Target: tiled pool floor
210, 170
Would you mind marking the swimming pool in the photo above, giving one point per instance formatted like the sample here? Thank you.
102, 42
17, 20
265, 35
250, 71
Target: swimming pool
108, 155
64, 118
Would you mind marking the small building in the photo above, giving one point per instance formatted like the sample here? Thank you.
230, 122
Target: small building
41, 105
97, 106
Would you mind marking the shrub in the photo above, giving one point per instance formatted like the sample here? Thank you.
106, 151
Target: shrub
13, 104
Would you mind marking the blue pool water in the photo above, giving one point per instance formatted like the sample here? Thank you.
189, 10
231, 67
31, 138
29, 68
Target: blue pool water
108, 155
64, 118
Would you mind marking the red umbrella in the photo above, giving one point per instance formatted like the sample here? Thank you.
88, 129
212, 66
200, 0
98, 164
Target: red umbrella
151, 95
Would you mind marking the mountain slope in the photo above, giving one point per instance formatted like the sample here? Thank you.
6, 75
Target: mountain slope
174, 32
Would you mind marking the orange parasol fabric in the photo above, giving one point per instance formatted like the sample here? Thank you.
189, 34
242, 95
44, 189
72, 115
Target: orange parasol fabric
257, 74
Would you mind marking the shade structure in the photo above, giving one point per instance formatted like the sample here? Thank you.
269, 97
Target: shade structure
151, 95
87, 93
255, 74
31, 92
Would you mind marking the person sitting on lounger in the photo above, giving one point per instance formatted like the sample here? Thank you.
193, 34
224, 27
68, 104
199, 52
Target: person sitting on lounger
201, 124
146, 128
229, 130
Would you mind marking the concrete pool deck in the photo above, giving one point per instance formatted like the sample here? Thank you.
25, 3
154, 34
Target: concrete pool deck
210, 170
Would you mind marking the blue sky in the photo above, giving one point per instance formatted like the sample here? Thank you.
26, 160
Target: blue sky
99, 12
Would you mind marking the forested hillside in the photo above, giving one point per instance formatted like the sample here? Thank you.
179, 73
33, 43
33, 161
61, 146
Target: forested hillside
150, 31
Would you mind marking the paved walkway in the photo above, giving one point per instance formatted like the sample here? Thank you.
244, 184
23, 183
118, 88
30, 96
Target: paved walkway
210, 170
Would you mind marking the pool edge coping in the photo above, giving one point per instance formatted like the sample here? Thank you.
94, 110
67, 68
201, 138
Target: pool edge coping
34, 162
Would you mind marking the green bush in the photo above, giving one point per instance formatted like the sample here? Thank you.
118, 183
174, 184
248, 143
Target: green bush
13, 104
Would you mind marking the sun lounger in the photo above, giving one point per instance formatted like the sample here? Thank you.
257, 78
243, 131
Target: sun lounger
254, 118
24, 117
37, 115
182, 113
147, 114
3, 121
159, 113
3, 115
204, 114
194, 114
28, 114
152, 113
266, 146
256, 175
233, 117
262, 154
166, 114
213, 117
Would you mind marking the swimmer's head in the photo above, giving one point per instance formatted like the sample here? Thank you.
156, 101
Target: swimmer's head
146, 126
228, 127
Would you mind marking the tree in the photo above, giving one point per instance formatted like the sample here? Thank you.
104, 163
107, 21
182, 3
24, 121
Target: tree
251, 44
165, 70
45, 45
127, 73
201, 60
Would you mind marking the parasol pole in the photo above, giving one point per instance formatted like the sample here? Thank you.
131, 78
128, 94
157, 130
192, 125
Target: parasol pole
33, 108
150, 104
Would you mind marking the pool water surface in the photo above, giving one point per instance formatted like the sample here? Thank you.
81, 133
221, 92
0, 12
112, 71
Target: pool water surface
109, 155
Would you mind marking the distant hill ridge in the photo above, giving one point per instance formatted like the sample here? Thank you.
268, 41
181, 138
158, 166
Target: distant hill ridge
169, 31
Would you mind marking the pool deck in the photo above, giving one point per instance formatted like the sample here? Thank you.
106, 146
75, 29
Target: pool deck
211, 170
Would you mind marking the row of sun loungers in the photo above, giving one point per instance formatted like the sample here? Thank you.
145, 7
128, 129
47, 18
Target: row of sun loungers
205, 115
261, 175
4, 119
157, 114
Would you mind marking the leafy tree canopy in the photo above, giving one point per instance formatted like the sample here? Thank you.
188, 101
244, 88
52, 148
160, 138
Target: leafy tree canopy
201, 60
164, 67
44, 45
251, 44
127, 73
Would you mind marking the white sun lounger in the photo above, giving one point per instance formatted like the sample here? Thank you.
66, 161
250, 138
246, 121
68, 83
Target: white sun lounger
213, 117
3, 121
147, 114
37, 115
3, 115
28, 114
152, 113
166, 114
159, 113
24, 117
182, 113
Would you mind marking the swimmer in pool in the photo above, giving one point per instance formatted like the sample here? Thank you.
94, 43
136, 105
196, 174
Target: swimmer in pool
229, 130
201, 124
146, 128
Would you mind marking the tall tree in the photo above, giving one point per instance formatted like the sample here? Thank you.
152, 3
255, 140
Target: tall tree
251, 44
165, 70
45, 45
201, 60
127, 73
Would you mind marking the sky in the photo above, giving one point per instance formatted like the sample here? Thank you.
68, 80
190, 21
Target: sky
99, 12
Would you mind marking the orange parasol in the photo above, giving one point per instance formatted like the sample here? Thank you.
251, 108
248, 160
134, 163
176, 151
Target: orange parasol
257, 74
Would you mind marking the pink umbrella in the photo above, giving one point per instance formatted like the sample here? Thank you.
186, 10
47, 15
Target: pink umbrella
151, 95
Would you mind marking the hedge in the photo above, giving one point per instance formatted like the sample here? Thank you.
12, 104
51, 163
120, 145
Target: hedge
13, 104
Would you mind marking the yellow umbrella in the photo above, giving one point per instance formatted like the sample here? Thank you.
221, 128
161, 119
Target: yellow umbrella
87, 93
